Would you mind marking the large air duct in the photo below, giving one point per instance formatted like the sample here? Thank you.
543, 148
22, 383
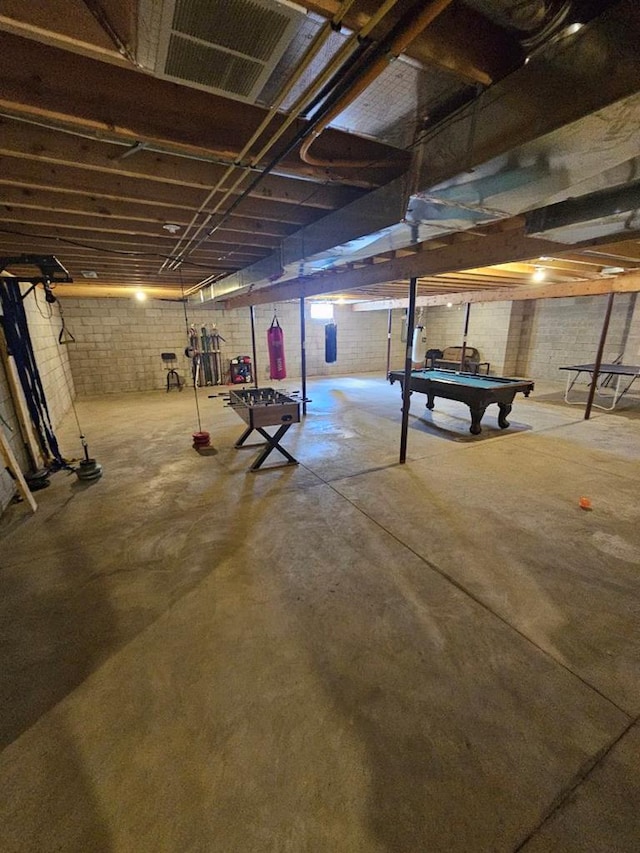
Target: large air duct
594, 213
559, 122
523, 16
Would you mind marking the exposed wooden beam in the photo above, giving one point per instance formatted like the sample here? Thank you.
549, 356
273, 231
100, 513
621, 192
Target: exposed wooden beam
91, 241
480, 251
575, 79
118, 266
85, 93
40, 218
23, 199
85, 290
629, 283
66, 24
118, 20
28, 141
23, 179
617, 254
459, 41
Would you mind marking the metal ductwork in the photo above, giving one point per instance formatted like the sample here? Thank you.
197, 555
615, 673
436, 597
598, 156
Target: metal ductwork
590, 216
522, 15
580, 144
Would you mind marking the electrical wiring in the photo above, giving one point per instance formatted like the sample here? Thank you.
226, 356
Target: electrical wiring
49, 313
81, 245
187, 244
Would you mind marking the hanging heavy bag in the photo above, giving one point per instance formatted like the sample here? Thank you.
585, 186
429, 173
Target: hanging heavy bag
330, 343
417, 351
275, 344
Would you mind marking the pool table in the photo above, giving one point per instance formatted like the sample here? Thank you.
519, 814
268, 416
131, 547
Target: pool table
476, 391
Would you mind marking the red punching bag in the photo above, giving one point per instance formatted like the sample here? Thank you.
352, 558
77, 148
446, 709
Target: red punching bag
275, 342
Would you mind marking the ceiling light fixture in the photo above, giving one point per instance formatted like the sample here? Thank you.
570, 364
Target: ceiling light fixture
572, 29
539, 274
449, 304
171, 227
141, 295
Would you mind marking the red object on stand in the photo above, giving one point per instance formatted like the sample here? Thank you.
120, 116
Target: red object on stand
275, 343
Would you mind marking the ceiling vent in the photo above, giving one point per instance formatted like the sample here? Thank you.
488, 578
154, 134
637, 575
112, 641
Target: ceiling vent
229, 47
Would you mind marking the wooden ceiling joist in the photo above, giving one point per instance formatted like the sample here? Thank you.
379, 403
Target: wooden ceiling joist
481, 251
53, 84
459, 41
47, 145
71, 222
28, 179
118, 215
629, 283
97, 155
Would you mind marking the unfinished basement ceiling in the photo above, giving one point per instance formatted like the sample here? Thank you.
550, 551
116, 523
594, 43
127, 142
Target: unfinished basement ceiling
230, 182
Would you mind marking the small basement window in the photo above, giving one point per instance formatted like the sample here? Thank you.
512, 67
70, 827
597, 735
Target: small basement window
322, 310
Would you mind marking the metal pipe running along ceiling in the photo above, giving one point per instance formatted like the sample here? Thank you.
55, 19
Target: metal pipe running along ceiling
492, 137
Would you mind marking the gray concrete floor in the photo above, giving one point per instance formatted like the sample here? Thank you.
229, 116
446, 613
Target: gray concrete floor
346, 655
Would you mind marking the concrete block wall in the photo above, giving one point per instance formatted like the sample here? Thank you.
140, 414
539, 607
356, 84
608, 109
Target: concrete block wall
52, 358
55, 372
443, 327
632, 347
518, 339
567, 331
12, 434
490, 331
362, 338
362, 342
535, 338
119, 341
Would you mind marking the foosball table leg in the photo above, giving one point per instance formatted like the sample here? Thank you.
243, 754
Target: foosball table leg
245, 435
272, 444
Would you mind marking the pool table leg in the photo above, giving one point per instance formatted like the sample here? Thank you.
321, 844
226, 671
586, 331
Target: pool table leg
505, 408
430, 404
477, 413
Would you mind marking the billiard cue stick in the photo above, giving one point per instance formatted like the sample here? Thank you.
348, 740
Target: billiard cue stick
253, 345
406, 384
388, 344
598, 362
467, 311
303, 356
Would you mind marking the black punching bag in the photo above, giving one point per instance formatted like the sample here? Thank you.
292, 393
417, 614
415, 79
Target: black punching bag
330, 343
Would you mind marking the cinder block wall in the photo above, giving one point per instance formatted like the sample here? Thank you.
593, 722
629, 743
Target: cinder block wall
535, 338
490, 331
55, 371
567, 331
519, 343
632, 348
119, 341
362, 342
12, 433
52, 357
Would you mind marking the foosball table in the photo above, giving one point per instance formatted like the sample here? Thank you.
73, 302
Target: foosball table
264, 407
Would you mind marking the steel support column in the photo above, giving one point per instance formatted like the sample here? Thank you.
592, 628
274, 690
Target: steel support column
406, 384
303, 356
598, 362
253, 346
